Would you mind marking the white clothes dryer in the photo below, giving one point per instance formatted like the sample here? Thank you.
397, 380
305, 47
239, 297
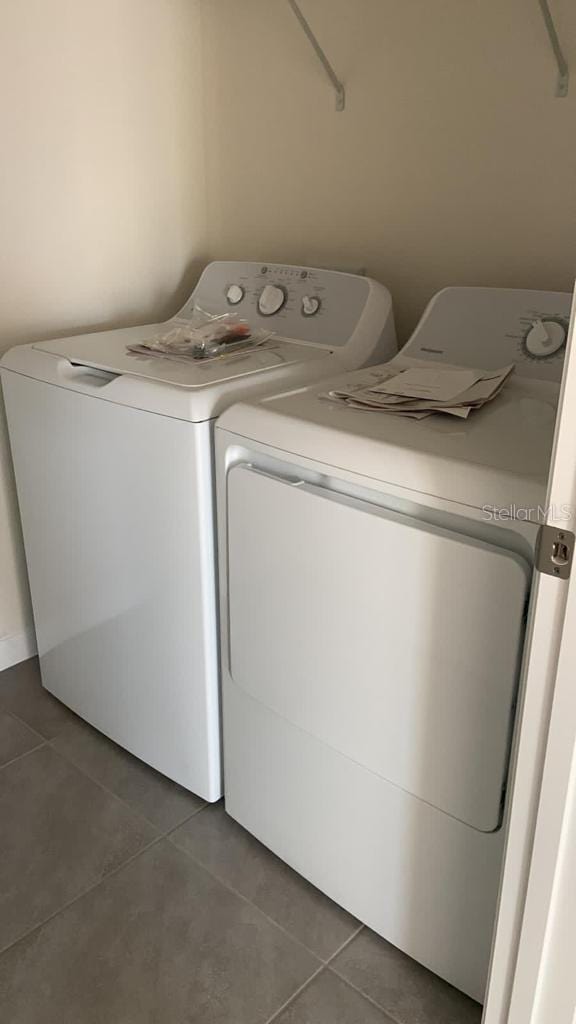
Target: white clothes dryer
375, 579
113, 456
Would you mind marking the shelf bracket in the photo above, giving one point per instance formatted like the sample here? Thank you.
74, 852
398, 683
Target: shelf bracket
336, 83
563, 70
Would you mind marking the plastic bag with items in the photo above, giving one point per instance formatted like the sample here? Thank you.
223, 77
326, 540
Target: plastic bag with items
203, 336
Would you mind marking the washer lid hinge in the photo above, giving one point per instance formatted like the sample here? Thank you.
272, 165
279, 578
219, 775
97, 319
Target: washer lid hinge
554, 551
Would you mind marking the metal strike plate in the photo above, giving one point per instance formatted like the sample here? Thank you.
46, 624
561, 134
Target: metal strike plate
554, 552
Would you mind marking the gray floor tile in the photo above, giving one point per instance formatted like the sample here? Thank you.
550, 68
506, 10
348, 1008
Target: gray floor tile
160, 942
161, 801
22, 693
60, 833
15, 738
328, 1000
239, 860
406, 990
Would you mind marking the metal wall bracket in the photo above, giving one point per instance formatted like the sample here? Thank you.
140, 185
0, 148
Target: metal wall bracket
554, 552
336, 83
563, 70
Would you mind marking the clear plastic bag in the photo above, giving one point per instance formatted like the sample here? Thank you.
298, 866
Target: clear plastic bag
203, 336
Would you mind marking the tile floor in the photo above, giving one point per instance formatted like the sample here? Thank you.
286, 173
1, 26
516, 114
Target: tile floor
126, 900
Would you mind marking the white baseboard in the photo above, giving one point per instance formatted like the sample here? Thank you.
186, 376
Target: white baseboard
17, 647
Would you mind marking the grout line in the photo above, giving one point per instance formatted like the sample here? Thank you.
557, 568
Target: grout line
272, 920
135, 810
45, 741
387, 1013
346, 943
240, 895
90, 888
320, 970
174, 828
295, 995
162, 833
109, 792
25, 753
22, 721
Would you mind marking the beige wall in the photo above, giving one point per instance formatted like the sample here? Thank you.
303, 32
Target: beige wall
453, 162
102, 183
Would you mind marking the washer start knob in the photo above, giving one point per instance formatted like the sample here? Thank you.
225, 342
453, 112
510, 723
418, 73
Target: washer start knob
544, 338
271, 300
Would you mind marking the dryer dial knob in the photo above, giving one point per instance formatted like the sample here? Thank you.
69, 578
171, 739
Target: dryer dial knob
544, 338
310, 305
235, 294
271, 300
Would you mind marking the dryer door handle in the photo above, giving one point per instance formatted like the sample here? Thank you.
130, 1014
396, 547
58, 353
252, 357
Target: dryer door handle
249, 467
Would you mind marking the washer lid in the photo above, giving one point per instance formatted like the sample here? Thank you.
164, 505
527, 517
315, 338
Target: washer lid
108, 351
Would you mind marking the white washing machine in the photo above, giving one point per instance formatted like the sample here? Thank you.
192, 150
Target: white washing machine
113, 454
375, 577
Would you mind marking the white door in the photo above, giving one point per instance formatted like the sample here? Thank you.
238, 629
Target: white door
425, 684
533, 976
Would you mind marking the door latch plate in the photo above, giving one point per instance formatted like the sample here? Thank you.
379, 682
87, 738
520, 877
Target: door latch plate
554, 552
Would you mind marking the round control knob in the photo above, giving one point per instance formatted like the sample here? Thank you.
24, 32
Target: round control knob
544, 338
235, 294
271, 300
310, 305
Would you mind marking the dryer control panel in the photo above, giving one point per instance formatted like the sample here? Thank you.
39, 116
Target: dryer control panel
491, 327
322, 307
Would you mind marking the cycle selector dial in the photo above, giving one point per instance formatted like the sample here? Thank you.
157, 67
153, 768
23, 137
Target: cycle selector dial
310, 305
544, 338
272, 298
235, 294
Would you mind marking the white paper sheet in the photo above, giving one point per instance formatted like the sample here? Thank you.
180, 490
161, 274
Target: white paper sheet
437, 384
396, 390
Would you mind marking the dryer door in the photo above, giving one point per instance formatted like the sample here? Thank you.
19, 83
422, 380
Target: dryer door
390, 640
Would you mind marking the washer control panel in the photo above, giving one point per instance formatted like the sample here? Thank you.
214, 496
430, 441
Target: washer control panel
323, 307
492, 327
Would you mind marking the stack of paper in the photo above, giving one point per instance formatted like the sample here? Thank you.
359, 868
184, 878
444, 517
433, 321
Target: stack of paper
419, 391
